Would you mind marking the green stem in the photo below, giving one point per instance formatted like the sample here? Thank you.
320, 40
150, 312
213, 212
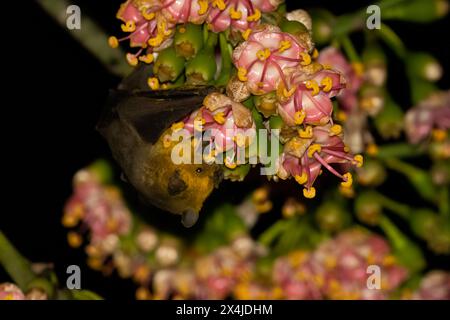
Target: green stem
225, 52
392, 40
349, 49
398, 150
444, 201
18, 268
398, 208
268, 236
91, 36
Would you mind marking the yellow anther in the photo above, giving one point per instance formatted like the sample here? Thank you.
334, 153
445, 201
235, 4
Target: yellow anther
309, 193
327, 84
306, 58
219, 4
182, 30
260, 84
359, 160
230, 165
307, 133
153, 83
263, 54
327, 66
254, 17
348, 180
246, 33
312, 84
203, 4
235, 14
346, 149
219, 117
299, 117
301, 179
210, 157
284, 45
198, 124
148, 58
389, 260
132, 59
156, 41
335, 130
372, 149
147, 15
242, 74
439, 135
167, 141
315, 53
130, 26
314, 148
288, 93
341, 116
74, 239
358, 67
177, 126
240, 140
113, 42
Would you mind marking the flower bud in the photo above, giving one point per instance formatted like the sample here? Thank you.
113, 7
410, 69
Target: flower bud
423, 222
188, 40
202, 68
424, 66
266, 103
374, 61
416, 11
322, 26
168, 65
440, 173
372, 99
236, 174
368, 208
389, 122
301, 16
332, 217
372, 173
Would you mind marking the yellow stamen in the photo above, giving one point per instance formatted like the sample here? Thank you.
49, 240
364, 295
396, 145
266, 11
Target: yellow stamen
327, 84
315, 53
346, 149
219, 117
288, 93
198, 123
341, 116
301, 179
235, 14
263, 54
74, 239
309, 193
284, 45
219, 4
372, 149
113, 42
312, 84
359, 160
147, 15
203, 4
314, 148
246, 33
156, 41
242, 74
299, 117
148, 58
306, 58
254, 17
240, 140
132, 59
335, 130
182, 30
347, 183
130, 26
389, 261
177, 126
327, 66
307, 133
358, 67
210, 157
153, 83
439, 135
230, 165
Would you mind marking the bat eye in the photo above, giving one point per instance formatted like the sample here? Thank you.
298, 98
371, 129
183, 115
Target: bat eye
199, 170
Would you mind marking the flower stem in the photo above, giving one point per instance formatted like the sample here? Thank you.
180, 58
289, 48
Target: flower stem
350, 49
398, 208
225, 52
91, 36
398, 150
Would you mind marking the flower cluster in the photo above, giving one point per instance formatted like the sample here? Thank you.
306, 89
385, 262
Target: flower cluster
10, 291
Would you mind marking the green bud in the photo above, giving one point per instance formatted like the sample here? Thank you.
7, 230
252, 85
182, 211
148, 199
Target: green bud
368, 208
102, 169
439, 240
276, 122
416, 11
293, 27
168, 65
322, 26
202, 68
389, 122
236, 174
440, 173
374, 61
332, 217
266, 103
423, 66
423, 222
372, 99
188, 40
372, 173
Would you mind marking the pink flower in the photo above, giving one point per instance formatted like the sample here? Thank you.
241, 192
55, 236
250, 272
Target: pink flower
240, 15
147, 28
432, 113
434, 286
333, 57
9, 291
183, 11
304, 157
307, 99
262, 59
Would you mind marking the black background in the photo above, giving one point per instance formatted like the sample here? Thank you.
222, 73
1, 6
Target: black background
54, 91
